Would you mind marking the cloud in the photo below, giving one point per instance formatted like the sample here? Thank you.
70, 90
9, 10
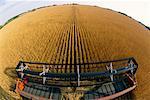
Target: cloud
2, 2
138, 9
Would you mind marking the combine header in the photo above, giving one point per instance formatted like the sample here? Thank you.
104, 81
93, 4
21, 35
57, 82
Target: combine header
98, 80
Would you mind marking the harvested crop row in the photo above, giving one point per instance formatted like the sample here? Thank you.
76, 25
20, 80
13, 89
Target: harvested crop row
72, 34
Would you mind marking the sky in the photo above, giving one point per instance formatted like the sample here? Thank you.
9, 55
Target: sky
137, 9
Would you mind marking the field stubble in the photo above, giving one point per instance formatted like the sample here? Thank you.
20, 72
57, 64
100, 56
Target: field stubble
75, 34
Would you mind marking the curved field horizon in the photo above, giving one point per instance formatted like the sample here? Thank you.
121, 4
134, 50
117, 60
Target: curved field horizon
75, 34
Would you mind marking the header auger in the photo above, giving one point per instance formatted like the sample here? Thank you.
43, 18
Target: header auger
110, 79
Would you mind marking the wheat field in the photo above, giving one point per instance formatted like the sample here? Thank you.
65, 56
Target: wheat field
75, 34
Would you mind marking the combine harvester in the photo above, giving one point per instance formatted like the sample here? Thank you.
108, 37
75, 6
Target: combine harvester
98, 80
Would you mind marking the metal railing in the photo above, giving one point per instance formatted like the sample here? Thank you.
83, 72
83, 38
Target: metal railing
97, 70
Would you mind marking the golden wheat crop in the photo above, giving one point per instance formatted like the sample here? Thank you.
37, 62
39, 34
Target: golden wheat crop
75, 34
